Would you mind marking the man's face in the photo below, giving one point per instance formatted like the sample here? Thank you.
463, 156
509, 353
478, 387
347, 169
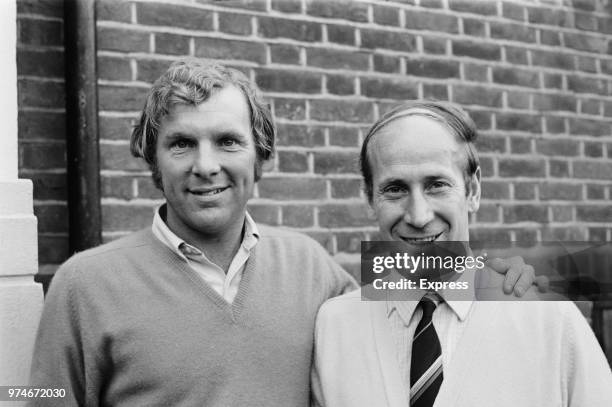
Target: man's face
206, 157
419, 191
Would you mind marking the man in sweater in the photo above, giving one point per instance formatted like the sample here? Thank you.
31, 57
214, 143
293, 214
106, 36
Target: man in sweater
422, 347
205, 307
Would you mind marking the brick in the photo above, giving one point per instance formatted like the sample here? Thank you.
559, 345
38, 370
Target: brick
513, 76
594, 150
487, 165
276, 80
116, 218
117, 39
589, 127
217, 48
585, 42
52, 249
433, 68
476, 50
298, 216
489, 235
292, 161
554, 102
148, 70
564, 234
284, 54
548, 16
605, 25
424, 20
562, 213
118, 157
389, 88
49, 8
475, 72
520, 145
345, 215
264, 214
518, 100
111, 68
596, 191
39, 32
41, 125
524, 191
350, 242
232, 23
587, 22
147, 189
482, 119
590, 106
254, 5
435, 91
42, 62
474, 27
495, 190
48, 186
586, 85
287, 6
560, 191
606, 66
34, 93
335, 162
345, 188
344, 9
593, 170
550, 37
597, 234
297, 135
558, 147
432, 45
115, 128
525, 237
513, 11
552, 81
386, 63
344, 136
552, 59
487, 214
477, 95
291, 109
525, 213
341, 34
559, 169
270, 27
340, 85
388, 16
116, 187
585, 5
593, 213
490, 144
514, 32
291, 188
431, 3
476, 7
52, 218
337, 59
345, 110
378, 39
118, 98
113, 10
171, 44
516, 55
173, 15
532, 168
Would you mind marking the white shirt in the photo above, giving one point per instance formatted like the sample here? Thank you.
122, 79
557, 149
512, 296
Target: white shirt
226, 285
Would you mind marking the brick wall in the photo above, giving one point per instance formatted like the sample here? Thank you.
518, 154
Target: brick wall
536, 75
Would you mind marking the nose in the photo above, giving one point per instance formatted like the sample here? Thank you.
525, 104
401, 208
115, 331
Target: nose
418, 212
206, 161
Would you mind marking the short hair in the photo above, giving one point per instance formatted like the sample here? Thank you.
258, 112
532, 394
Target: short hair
449, 114
191, 82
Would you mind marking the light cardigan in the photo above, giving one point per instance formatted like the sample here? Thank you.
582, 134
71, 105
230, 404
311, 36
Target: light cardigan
511, 354
130, 324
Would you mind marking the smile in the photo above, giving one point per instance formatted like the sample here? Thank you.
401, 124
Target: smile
426, 239
207, 191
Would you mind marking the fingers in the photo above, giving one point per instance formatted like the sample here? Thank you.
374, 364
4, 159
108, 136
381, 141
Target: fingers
512, 277
525, 280
543, 283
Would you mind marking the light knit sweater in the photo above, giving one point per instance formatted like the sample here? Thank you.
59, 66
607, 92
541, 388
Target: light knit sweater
130, 324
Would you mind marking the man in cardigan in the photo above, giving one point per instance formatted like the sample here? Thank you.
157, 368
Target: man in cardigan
421, 347
205, 307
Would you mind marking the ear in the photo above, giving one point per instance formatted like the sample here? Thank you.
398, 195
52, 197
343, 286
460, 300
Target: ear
473, 197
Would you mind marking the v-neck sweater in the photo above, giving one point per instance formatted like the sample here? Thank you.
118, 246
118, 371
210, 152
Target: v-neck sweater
129, 323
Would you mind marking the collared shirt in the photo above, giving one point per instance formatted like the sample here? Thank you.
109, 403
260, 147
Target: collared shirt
226, 285
449, 320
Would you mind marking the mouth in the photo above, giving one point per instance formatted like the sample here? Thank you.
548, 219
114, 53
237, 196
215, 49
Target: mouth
421, 239
207, 191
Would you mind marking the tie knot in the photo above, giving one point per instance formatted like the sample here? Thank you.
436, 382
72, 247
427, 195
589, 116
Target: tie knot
428, 307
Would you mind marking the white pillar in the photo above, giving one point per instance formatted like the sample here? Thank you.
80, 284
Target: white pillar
20, 297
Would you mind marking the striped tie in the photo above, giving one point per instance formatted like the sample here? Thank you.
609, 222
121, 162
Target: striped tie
426, 363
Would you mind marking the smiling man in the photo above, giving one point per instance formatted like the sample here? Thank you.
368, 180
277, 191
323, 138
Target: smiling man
205, 307
425, 348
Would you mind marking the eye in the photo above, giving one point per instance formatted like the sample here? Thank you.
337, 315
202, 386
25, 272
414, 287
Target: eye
228, 142
438, 185
181, 144
392, 191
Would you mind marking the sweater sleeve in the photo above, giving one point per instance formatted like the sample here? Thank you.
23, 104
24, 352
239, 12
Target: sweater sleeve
58, 360
586, 373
